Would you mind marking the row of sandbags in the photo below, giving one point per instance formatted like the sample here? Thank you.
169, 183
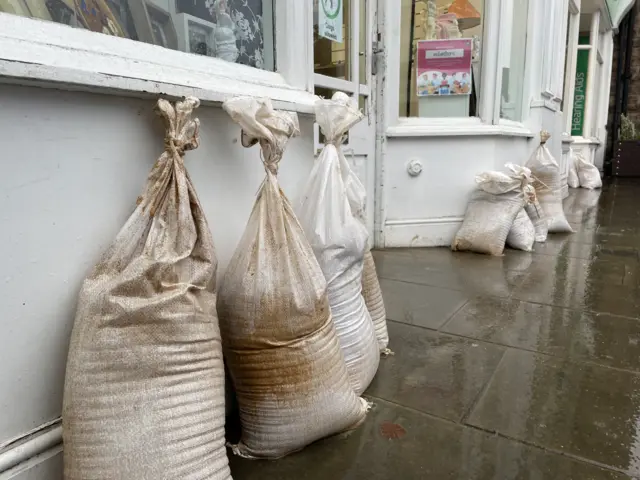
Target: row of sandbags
144, 394
517, 208
582, 173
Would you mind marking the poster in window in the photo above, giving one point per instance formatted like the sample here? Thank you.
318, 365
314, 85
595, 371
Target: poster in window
330, 20
444, 67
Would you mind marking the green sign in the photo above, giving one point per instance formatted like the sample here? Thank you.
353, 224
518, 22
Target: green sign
582, 69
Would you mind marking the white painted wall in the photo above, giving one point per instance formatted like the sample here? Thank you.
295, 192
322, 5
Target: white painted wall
428, 209
73, 166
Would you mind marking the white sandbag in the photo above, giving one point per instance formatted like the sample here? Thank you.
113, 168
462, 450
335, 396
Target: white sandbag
522, 234
279, 339
588, 173
342, 116
490, 214
538, 219
339, 241
573, 181
548, 185
144, 388
532, 206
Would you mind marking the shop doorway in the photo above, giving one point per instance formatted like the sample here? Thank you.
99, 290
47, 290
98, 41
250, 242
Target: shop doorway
346, 63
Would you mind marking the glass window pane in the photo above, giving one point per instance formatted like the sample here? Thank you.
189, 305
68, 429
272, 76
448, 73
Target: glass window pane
513, 62
331, 38
239, 31
440, 57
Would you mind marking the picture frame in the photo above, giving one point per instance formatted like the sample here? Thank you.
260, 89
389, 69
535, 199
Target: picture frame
153, 24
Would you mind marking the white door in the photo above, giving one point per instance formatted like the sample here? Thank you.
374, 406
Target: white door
345, 63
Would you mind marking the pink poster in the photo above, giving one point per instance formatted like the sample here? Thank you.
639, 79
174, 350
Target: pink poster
444, 67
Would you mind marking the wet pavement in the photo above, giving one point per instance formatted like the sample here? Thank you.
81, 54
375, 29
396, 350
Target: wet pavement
520, 367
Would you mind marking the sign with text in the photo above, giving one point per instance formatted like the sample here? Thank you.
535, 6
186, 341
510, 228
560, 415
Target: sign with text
444, 67
577, 118
330, 20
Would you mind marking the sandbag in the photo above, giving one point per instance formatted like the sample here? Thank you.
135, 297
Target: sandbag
588, 174
548, 185
522, 234
144, 388
372, 294
490, 214
279, 339
339, 241
538, 219
572, 180
339, 115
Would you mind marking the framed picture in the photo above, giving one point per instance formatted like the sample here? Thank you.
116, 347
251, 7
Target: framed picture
153, 24
201, 39
195, 35
96, 16
15, 7
62, 12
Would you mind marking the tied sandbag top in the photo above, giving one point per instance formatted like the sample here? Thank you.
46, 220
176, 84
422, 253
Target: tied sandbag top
335, 117
181, 130
498, 183
181, 135
262, 124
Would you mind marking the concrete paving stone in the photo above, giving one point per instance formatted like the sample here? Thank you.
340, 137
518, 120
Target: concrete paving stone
398, 443
598, 338
584, 410
420, 305
434, 373
605, 285
470, 273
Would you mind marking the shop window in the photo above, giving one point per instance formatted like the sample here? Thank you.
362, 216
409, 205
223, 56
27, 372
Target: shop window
331, 38
239, 31
513, 58
578, 111
440, 57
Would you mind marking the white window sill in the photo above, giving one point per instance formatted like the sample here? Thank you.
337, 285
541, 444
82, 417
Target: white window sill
586, 141
552, 104
462, 127
45, 54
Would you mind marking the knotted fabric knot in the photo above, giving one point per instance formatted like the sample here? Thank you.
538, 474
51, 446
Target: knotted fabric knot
181, 130
177, 148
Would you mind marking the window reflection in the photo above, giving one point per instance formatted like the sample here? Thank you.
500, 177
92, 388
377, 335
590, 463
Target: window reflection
239, 31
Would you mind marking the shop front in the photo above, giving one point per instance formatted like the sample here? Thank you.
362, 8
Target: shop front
543, 65
449, 88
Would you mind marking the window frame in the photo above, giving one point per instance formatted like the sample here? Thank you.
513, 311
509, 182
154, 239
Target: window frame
555, 47
488, 121
47, 54
506, 13
572, 62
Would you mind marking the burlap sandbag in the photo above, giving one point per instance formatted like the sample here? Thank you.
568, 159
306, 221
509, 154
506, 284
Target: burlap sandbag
372, 294
337, 116
339, 240
538, 218
279, 339
548, 185
522, 234
490, 214
144, 389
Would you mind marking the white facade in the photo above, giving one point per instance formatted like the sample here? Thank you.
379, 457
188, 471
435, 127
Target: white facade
80, 136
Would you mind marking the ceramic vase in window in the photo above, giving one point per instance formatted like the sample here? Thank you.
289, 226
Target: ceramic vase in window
225, 33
